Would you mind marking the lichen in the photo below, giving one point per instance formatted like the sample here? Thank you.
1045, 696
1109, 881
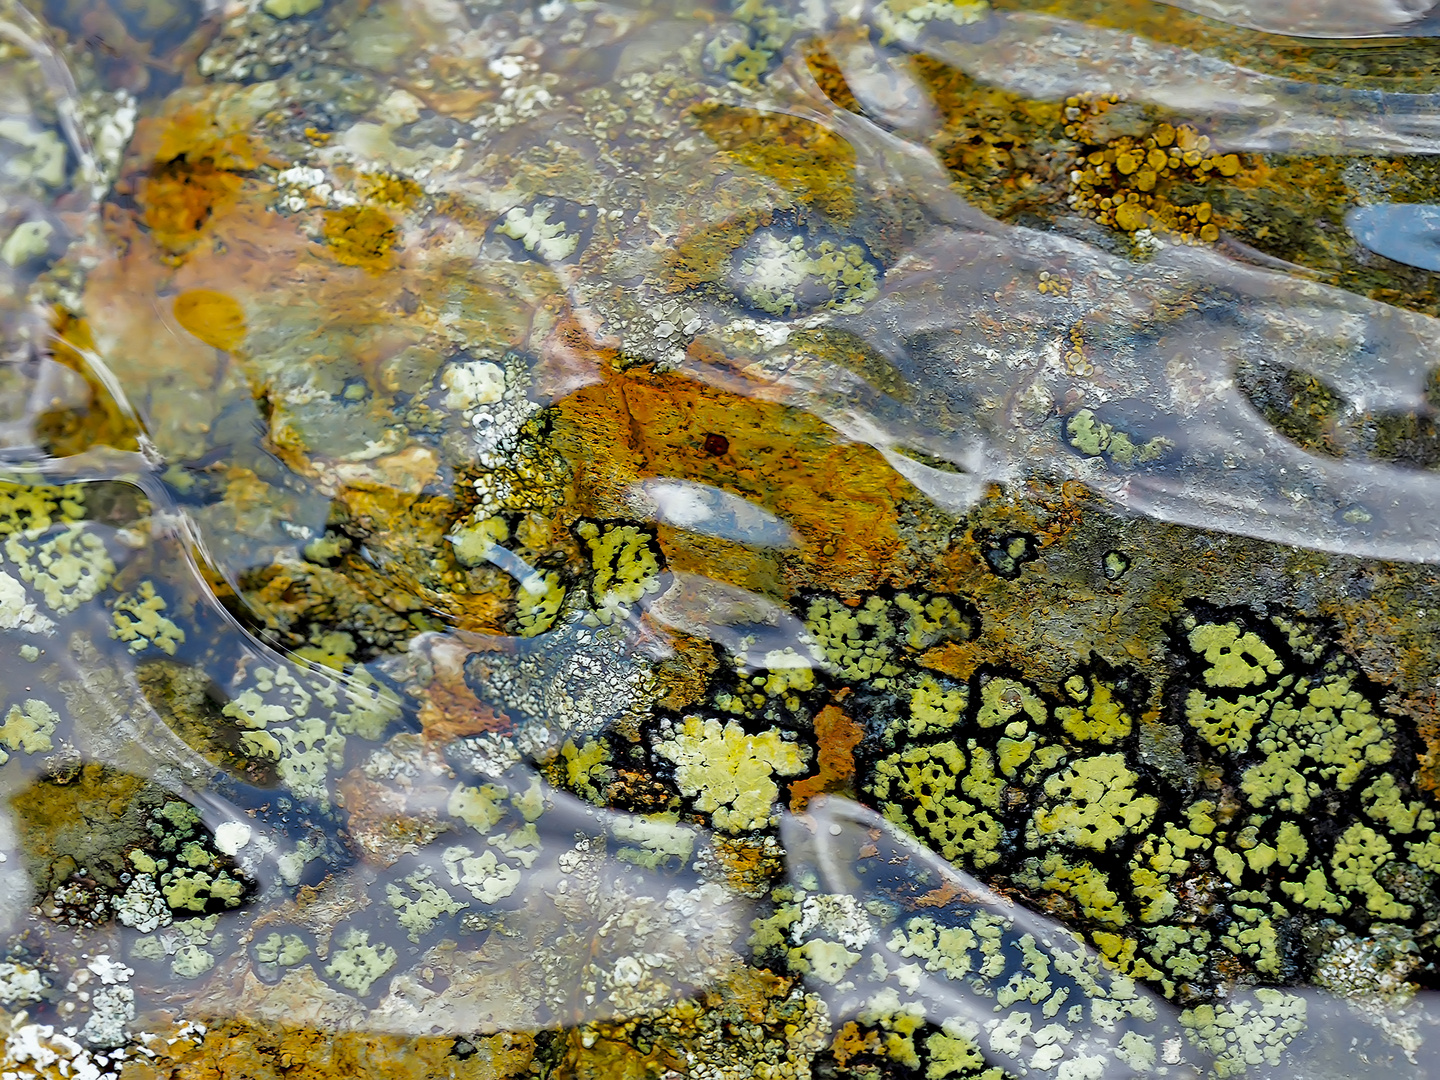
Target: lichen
140, 622
728, 772
68, 569
28, 728
356, 965
626, 568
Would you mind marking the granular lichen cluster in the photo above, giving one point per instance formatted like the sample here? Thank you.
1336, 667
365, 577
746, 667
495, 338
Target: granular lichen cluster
1130, 180
1300, 810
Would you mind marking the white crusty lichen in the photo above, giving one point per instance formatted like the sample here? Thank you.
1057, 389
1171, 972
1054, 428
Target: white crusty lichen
533, 230
18, 611
785, 275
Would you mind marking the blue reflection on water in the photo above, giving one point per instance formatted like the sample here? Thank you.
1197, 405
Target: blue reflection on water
1408, 233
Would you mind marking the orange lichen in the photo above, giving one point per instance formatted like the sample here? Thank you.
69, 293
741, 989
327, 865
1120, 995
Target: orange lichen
851, 1040
809, 162
181, 196
829, 78
841, 497
215, 318
67, 430
702, 256
837, 735
258, 1051
392, 190
1125, 180
361, 236
998, 146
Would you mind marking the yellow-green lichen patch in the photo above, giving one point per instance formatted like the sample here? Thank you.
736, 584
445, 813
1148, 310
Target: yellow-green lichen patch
922, 787
356, 965
858, 642
32, 509
626, 568
1092, 803
538, 601
1094, 437
28, 728
727, 772
1319, 734
1235, 657
140, 622
1093, 711
67, 569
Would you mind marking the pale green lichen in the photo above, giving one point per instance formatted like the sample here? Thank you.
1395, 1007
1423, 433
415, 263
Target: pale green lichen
538, 601
656, 841
1094, 437
18, 611
905, 20
139, 621
277, 952
778, 275
729, 772
28, 728
356, 964
67, 570
486, 877
300, 721
424, 906
1246, 1034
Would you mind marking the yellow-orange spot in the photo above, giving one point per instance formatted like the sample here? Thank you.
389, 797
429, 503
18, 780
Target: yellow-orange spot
213, 317
360, 236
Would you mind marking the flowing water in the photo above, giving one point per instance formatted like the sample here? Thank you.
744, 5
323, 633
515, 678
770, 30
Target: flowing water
523, 526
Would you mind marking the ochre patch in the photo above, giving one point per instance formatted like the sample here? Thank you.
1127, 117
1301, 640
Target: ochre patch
214, 317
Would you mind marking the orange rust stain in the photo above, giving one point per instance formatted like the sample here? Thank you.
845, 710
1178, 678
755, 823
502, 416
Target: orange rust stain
837, 736
841, 498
